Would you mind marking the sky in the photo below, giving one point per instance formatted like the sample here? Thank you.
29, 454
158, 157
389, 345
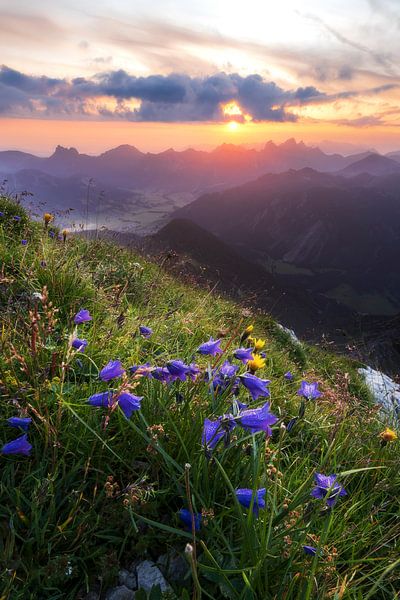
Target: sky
181, 73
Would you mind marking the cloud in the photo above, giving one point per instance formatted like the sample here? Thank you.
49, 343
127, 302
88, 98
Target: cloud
171, 98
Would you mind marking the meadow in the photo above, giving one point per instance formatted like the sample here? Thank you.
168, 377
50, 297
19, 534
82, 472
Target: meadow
141, 415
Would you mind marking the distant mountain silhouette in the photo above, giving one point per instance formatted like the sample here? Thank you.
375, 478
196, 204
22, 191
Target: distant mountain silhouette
374, 164
190, 170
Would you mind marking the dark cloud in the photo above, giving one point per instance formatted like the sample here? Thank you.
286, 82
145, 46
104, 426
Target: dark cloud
175, 97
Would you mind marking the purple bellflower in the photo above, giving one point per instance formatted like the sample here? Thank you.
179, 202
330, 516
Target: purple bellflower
310, 550
16, 218
24, 242
129, 403
214, 431
112, 370
309, 391
211, 347
186, 518
244, 354
257, 419
20, 422
245, 497
178, 369
101, 399
146, 332
82, 316
256, 386
289, 376
162, 374
18, 446
145, 370
79, 345
327, 487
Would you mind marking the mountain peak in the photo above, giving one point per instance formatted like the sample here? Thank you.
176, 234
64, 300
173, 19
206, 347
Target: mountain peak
62, 151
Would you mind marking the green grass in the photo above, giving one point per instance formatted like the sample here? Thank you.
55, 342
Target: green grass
99, 491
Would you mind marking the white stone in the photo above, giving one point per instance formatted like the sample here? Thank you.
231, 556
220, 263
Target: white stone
384, 390
149, 575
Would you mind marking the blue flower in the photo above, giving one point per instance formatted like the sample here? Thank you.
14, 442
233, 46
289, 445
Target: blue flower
129, 403
52, 234
245, 497
101, 399
309, 391
193, 371
228, 370
289, 376
257, 419
256, 386
327, 487
145, 370
310, 550
224, 377
214, 431
146, 332
162, 374
186, 518
112, 370
244, 354
82, 316
24, 242
211, 347
22, 423
178, 369
1, 214
43, 264
18, 446
16, 218
79, 345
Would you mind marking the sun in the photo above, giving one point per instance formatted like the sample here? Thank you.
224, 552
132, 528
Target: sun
233, 126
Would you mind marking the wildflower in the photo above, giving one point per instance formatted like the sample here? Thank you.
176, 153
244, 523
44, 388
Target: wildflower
257, 363
47, 218
186, 517
258, 344
256, 386
388, 435
244, 354
21, 422
24, 242
310, 550
289, 376
143, 370
129, 403
101, 399
162, 374
327, 487
112, 370
257, 419
309, 391
1, 214
16, 218
52, 234
214, 431
211, 347
178, 369
43, 264
18, 446
82, 316
246, 333
193, 371
245, 497
79, 345
146, 332
223, 377
64, 234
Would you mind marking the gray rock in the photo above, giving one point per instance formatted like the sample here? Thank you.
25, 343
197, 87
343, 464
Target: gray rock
92, 596
120, 593
128, 578
384, 390
149, 575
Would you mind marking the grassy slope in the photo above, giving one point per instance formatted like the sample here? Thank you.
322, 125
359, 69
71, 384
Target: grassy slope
63, 526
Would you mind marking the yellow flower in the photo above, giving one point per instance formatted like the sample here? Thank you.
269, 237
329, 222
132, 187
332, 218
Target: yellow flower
257, 363
249, 329
388, 435
47, 217
258, 344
